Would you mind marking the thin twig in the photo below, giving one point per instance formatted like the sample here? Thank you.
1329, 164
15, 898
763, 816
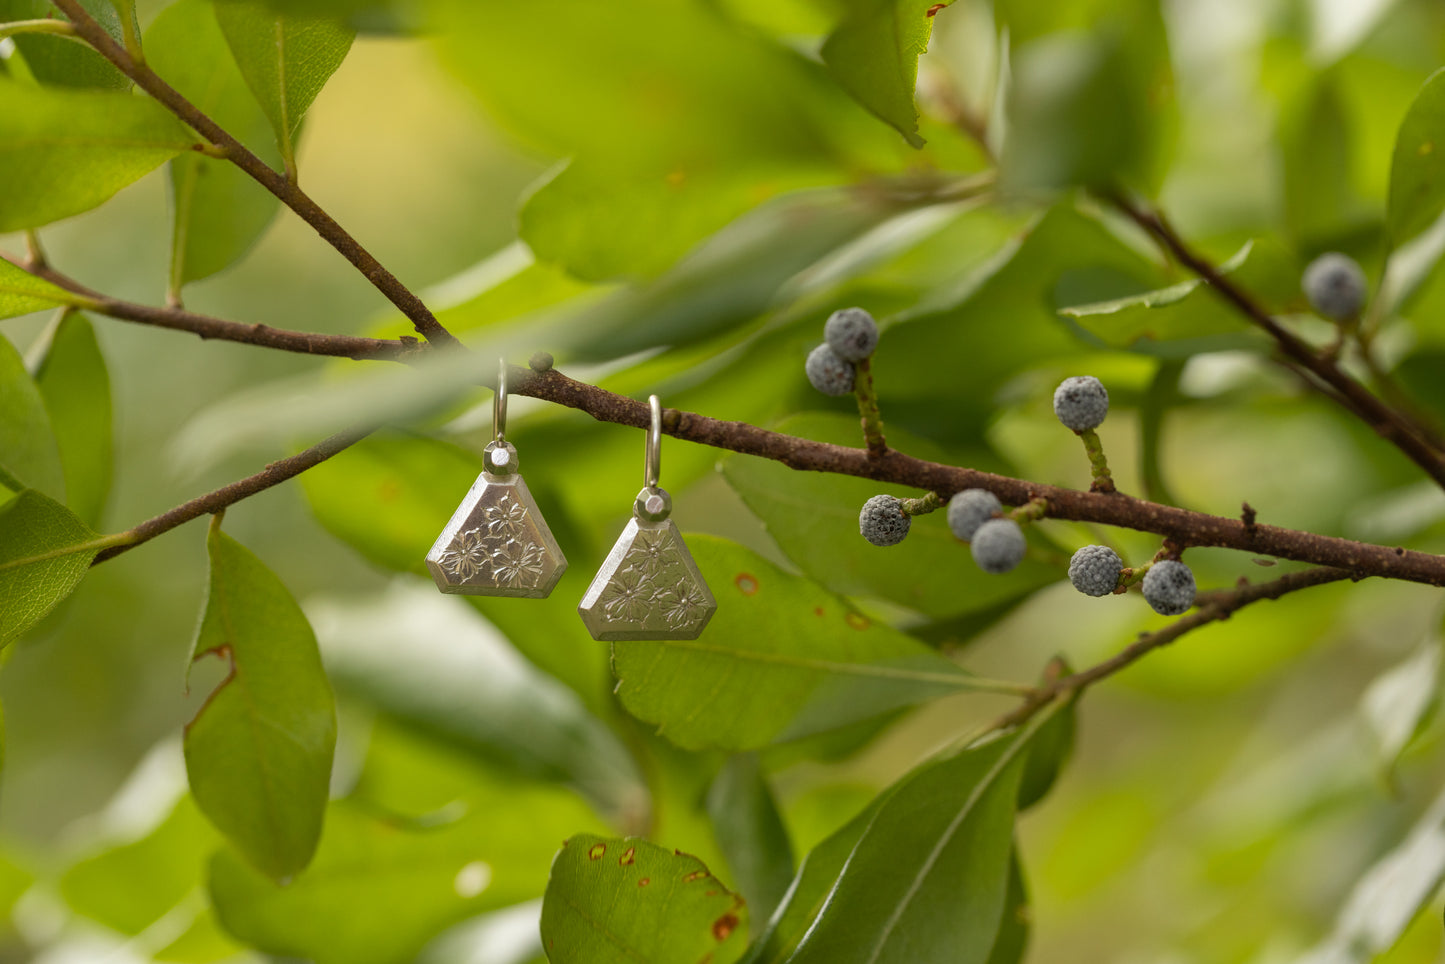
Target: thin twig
288, 192
1211, 607
273, 474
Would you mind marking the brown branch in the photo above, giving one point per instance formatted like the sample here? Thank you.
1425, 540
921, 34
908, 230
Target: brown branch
273, 474
287, 191
262, 336
1184, 527
1389, 423
1211, 607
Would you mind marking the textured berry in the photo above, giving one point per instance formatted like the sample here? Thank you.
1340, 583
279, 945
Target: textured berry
998, 545
1081, 402
882, 521
829, 374
851, 333
970, 509
1169, 587
1094, 570
1335, 286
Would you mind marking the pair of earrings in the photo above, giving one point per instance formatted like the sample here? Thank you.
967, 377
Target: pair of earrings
498, 544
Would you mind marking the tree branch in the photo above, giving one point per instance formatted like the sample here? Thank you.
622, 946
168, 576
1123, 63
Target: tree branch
262, 336
1211, 607
273, 474
1389, 423
288, 192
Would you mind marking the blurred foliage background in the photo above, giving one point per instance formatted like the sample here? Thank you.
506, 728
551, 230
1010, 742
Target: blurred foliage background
694, 193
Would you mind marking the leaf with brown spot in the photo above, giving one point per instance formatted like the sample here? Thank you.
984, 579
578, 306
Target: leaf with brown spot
258, 753
659, 907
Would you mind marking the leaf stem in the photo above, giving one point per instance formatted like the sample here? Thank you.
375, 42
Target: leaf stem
44, 25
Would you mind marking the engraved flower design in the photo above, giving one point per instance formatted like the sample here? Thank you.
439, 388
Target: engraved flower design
683, 604
517, 563
652, 553
467, 555
506, 519
628, 597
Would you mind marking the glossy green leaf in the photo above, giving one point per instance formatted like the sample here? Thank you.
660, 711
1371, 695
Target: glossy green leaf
1417, 170
170, 859
57, 61
459, 683
1050, 748
1387, 896
390, 495
782, 658
21, 292
219, 212
379, 889
75, 384
616, 900
874, 54
928, 878
814, 518
66, 151
44, 553
1013, 928
285, 59
709, 119
750, 832
28, 450
258, 753
1399, 701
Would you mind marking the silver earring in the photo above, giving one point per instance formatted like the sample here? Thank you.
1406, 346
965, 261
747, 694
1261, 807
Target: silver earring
648, 587
497, 543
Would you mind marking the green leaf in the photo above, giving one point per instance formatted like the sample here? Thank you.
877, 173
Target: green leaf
626, 901
170, 860
1417, 169
874, 54
1399, 702
219, 211
379, 889
814, 518
66, 151
1013, 927
21, 292
750, 832
928, 877
75, 385
782, 658
1316, 141
44, 553
1388, 895
460, 684
258, 753
28, 450
59, 61
285, 59
1049, 750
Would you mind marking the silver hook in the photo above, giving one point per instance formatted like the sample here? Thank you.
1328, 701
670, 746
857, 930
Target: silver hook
499, 403
653, 471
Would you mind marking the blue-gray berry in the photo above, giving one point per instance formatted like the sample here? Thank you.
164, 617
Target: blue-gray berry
1094, 570
829, 374
851, 333
882, 521
970, 509
1335, 286
1169, 587
998, 546
1081, 402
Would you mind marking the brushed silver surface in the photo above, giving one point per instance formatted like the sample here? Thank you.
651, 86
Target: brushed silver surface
649, 587
497, 544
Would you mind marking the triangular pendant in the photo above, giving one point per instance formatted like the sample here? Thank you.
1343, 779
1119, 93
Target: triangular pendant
497, 544
648, 588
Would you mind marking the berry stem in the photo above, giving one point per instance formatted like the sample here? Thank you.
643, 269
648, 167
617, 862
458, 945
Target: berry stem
929, 503
871, 417
1131, 577
1098, 465
1031, 511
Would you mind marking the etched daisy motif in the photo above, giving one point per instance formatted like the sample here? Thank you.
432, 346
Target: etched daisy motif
683, 604
628, 597
518, 564
467, 555
506, 519
652, 553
